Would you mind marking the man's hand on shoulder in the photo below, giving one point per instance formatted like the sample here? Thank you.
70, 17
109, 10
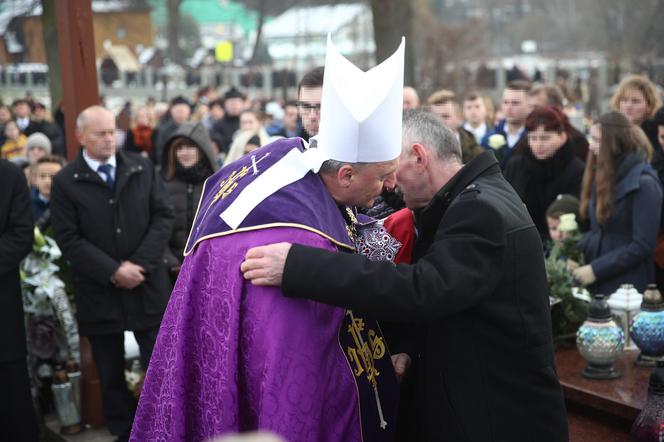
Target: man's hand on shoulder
264, 265
401, 363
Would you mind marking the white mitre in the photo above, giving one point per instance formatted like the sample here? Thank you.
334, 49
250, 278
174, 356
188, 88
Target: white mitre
361, 112
360, 122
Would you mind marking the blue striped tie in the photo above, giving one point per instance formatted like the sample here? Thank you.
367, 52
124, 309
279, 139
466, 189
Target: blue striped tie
106, 170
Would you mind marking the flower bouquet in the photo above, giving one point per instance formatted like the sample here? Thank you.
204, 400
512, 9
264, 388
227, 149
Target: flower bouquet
52, 333
568, 309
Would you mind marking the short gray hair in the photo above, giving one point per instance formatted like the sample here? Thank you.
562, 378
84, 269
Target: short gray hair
82, 118
420, 126
331, 166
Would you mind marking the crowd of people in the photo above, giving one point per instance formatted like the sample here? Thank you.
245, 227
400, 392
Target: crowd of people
122, 210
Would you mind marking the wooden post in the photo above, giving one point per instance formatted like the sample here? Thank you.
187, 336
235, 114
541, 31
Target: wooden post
77, 64
80, 90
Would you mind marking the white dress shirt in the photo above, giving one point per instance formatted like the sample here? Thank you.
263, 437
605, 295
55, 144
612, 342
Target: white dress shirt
94, 165
478, 131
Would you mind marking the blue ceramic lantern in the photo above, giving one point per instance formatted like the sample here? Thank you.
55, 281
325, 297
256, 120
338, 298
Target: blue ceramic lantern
647, 328
600, 341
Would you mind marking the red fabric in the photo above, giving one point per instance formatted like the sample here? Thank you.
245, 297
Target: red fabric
401, 225
659, 251
143, 138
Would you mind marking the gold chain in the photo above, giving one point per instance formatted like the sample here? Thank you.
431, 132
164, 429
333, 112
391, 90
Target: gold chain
351, 223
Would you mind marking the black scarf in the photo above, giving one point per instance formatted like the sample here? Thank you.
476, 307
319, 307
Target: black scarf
545, 179
194, 174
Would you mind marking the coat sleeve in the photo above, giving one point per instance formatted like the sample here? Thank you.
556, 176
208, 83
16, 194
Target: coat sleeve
84, 256
150, 253
16, 239
460, 269
645, 226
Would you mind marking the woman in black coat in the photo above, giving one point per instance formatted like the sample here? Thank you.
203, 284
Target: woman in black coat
548, 167
187, 162
622, 199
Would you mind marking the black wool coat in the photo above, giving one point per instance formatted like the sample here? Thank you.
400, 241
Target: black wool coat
478, 288
539, 182
15, 243
185, 188
97, 228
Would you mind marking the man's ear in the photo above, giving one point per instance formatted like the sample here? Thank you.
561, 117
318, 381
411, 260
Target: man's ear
420, 154
79, 136
345, 175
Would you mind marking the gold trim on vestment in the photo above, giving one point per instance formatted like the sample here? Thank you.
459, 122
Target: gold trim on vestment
268, 226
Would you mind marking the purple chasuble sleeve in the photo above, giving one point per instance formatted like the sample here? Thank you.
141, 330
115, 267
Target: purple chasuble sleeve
234, 357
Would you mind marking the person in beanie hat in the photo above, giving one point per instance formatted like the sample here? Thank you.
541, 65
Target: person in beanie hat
37, 146
234, 104
178, 113
562, 205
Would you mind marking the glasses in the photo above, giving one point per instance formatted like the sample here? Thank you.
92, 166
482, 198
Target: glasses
303, 107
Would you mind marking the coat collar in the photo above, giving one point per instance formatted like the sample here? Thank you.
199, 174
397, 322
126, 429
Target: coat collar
432, 213
631, 180
126, 167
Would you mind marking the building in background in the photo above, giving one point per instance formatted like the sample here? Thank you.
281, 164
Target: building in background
117, 22
297, 39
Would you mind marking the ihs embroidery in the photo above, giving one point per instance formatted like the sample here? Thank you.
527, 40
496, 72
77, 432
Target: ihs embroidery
228, 185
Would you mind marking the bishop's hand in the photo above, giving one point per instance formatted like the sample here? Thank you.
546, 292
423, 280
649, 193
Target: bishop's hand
264, 265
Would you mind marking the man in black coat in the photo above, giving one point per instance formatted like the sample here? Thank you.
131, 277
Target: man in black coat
224, 129
477, 287
111, 219
17, 416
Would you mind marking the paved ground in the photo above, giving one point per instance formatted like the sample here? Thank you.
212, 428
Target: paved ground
87, 435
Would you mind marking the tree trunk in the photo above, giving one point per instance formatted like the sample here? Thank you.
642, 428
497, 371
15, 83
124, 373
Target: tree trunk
393, 19
174, 51
52, 57
259, 31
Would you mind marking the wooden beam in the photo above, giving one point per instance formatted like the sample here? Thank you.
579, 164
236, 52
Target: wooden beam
78, 68
78, 72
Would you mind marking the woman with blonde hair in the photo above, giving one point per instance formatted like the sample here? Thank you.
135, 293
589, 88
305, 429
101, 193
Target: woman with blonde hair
637, 98
621, 198
250, 127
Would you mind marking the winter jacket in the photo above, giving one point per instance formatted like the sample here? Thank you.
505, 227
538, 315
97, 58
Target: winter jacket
620, 251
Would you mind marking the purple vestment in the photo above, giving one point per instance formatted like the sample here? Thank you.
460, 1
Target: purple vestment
234, 357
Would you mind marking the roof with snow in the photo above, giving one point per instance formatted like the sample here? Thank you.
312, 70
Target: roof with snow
10, 9
316, 20
124, 59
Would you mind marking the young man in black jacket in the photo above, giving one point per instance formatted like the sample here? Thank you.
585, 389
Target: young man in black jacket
477, 289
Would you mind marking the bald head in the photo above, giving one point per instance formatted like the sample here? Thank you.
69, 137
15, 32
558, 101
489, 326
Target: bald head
410, 98
95, 130
90, 114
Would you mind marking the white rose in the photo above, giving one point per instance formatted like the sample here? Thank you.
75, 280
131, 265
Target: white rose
568, 223
497, 141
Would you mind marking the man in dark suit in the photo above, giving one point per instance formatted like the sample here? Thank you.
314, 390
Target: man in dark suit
509, 135
111, 219
225, 128
17, 417
477, 287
